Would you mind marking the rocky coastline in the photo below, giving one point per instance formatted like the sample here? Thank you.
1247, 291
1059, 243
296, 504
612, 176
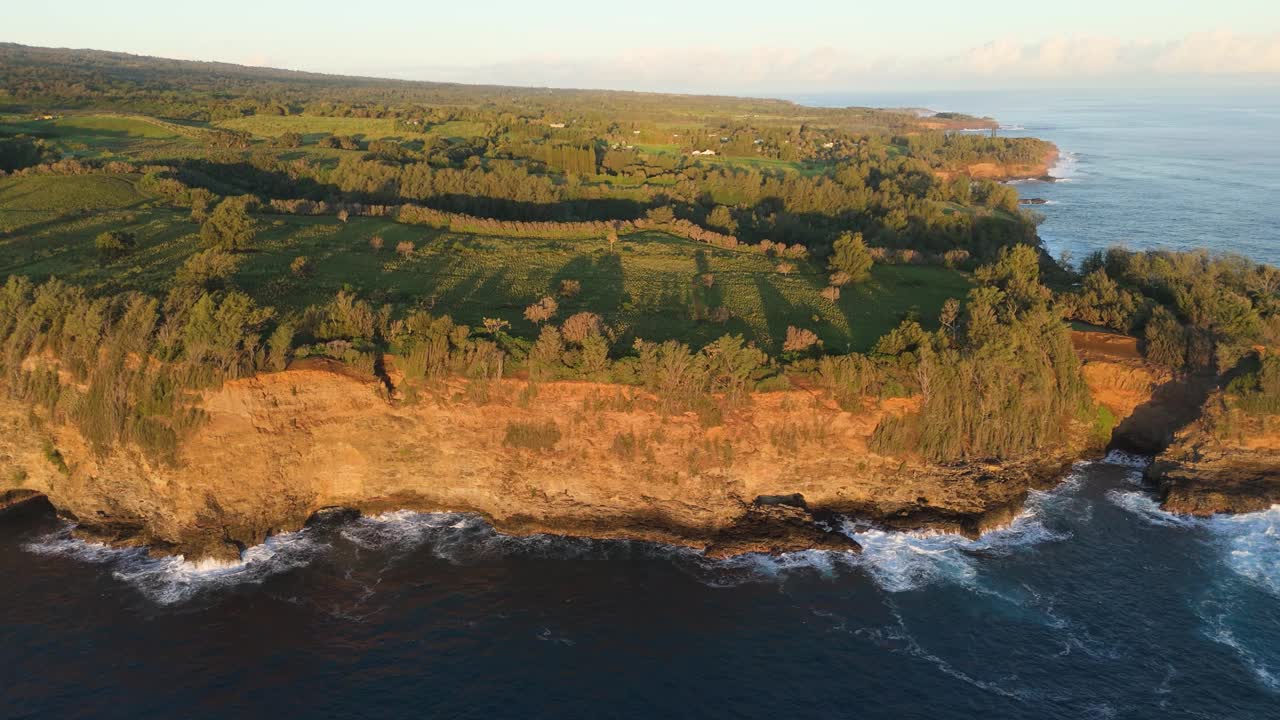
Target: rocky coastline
779, 474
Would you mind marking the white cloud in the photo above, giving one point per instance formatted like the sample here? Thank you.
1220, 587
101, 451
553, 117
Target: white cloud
1002, 62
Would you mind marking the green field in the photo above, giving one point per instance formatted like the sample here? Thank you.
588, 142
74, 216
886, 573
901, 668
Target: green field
755, 163
27, 202
650, 286
105, 136
365, 128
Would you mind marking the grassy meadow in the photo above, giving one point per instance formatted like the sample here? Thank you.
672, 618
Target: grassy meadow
106, 136
269, 126
649, 285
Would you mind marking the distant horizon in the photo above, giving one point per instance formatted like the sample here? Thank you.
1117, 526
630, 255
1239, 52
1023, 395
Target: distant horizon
1224, 83
814, 46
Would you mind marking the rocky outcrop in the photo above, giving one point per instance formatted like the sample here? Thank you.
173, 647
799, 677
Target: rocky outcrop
1224, 462
1005, 172
277, 448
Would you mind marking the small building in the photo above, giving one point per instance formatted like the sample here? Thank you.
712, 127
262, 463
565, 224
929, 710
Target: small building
703, 152
557, 125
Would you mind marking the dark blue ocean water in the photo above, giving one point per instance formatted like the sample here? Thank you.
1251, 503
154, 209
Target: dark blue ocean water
1095, 604
1140, 168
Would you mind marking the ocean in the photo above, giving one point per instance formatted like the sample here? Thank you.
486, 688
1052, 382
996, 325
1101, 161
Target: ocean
1093, 604
1139, 168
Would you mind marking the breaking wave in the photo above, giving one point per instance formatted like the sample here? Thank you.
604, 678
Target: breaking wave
1251, 546
1248, 545
1141, 504
895, 561
904, 561
172, 580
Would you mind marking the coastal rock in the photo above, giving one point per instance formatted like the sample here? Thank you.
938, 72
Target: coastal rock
1224, 462
283, 449
22, 502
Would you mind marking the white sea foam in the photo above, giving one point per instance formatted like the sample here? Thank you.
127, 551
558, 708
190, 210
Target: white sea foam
1249, 543
897, 561
1251, 546
1145, 507
1066, 168
463, 537
170, 580
1127, 459
903, 561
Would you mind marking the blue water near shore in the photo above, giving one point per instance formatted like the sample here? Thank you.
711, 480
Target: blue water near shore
1140, 168
1094, 604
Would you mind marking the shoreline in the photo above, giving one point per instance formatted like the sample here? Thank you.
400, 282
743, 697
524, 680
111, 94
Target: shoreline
309, 439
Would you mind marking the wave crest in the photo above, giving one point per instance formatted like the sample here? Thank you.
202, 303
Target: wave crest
174, 579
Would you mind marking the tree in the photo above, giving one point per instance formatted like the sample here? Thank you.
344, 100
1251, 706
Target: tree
721, 219
581, 326
224, 331
731, 364
404, 248
852, 257
800, 340
541, 311
1166, 339
376, 242
1017, 273
229, 227
113, 243
209, 269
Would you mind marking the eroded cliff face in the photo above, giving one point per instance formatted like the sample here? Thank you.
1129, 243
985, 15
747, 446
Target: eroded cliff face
1224, 462
1005, 172
279, 447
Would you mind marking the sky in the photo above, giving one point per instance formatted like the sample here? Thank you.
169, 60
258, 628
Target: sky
776, 47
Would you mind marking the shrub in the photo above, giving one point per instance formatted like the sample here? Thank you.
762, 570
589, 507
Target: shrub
847, 377
301, 266
209, 269
376, 242
404, 248
54, 456
546, 358
570, 288
831, 292
113, 243
1258, 392
532, 435
626, 445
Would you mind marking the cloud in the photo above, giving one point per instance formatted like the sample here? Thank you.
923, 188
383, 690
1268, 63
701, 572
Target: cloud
1003, 62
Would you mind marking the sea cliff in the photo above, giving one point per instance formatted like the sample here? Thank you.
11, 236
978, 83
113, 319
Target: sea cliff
574, 458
